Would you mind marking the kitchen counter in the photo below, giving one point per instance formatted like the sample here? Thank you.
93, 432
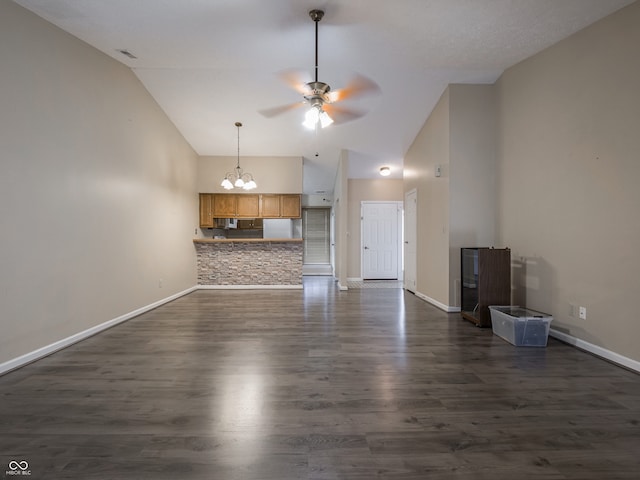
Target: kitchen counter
247, 240
249, 262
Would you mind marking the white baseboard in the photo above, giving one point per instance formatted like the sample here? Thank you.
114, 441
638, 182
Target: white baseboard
355, 279
59, 345
65, 342
249, 287
596, 350
342, 287
569, 339
435, 303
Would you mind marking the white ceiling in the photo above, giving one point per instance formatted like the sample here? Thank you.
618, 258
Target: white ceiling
210, 63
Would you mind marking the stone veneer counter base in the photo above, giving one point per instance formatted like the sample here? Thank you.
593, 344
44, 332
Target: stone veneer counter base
249, 262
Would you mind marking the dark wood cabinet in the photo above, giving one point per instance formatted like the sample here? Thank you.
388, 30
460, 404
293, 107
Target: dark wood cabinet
250, 224
486, 280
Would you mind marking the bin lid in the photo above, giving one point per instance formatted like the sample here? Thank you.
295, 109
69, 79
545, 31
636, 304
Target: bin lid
520, 312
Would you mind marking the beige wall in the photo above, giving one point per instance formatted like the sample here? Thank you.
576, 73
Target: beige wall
456, 209
98, 200
569, 171
430, 148
340, 212
272, 174
362, 190
472, 175
544, 162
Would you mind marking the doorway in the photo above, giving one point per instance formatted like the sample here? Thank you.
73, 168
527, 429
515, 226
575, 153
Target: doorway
381, 235
410, 240
316, 234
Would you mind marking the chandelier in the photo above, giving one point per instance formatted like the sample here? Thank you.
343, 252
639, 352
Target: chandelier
238, 178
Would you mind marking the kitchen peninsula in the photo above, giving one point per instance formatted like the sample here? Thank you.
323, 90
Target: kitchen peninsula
249, 241
249, 262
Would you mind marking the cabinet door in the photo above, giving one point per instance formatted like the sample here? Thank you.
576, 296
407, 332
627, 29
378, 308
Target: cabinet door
224, 205
206, 211
250, 223
269, 206
248, 205
290, 206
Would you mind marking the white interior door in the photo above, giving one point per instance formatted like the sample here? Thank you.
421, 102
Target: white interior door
332, 241
410, 240
380, 234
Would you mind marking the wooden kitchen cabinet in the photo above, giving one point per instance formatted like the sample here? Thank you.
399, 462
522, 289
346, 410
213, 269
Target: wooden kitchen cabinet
290, 206
250, 224
247, 205
224, 205
280, 206
206, 210
270, 206
232, 205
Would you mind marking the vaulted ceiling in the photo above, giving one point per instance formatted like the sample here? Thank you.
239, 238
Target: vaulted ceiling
210, 63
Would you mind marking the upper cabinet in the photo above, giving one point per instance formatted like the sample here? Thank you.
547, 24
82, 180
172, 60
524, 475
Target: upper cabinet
224, 206
280, 206
231, 205
290, 206
270, 206
247, 205
206, 210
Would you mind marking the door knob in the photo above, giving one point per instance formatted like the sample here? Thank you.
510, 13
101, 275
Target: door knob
366, 248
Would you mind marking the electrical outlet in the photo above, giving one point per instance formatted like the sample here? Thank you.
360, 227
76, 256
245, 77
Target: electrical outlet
583, 313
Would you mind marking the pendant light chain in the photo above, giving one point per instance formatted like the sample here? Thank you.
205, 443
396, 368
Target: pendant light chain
238, 124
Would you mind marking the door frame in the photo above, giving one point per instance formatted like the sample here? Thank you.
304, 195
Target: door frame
400, 235
414, 267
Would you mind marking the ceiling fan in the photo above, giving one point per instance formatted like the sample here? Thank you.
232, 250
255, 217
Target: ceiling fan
319, 96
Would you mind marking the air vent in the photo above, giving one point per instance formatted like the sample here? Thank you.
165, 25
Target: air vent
127, 53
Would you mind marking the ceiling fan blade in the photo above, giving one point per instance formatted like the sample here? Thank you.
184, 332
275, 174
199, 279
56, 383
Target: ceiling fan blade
342, 115
279, 110
296, 79
358, 86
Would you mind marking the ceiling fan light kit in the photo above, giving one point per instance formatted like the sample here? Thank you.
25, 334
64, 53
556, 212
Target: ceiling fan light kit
318, 95
315, 115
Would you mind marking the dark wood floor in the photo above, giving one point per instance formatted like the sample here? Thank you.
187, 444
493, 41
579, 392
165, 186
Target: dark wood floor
317, 384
